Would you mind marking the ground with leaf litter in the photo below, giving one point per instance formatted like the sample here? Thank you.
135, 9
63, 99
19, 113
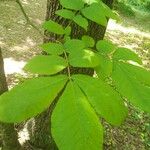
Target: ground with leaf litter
19, 42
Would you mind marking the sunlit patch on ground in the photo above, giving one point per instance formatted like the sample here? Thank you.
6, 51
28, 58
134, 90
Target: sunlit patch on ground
113, 26
23, 135
12, 66
130, 37
27, 44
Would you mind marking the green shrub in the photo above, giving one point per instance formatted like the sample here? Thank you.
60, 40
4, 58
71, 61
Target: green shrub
129, 7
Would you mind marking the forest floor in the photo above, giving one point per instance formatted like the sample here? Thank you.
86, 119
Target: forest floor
19, 42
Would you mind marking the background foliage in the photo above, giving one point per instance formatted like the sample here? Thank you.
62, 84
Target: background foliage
131, 7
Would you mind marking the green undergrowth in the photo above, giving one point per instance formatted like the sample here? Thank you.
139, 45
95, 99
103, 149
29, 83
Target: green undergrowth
131, 7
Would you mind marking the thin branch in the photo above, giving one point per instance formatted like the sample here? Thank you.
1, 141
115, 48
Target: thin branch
27, 18
68, 68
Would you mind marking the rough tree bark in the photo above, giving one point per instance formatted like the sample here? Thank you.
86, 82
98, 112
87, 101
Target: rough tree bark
41, 134
8, 135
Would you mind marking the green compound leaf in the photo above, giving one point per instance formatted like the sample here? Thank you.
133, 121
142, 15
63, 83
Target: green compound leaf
75, 118
105, 47
95, 13
46, 65
74, 45
68, 31
53, 48
104, 69
85, 58
68, 14
72, 4
140, 74
53, 27
81, 21
126, 54
30, 98
128, 84
108, 12
106, 102
88, 41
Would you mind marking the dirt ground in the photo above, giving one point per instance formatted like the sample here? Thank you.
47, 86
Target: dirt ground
19, 42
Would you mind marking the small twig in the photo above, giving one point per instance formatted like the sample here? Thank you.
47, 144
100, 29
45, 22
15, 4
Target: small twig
27, 18
68, 68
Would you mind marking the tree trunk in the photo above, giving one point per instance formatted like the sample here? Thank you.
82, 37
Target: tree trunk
3, 85
8, 135
41, 135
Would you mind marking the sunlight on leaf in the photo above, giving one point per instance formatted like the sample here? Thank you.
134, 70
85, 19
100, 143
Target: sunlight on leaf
86, 58
30, 98
46, 65
73, 113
